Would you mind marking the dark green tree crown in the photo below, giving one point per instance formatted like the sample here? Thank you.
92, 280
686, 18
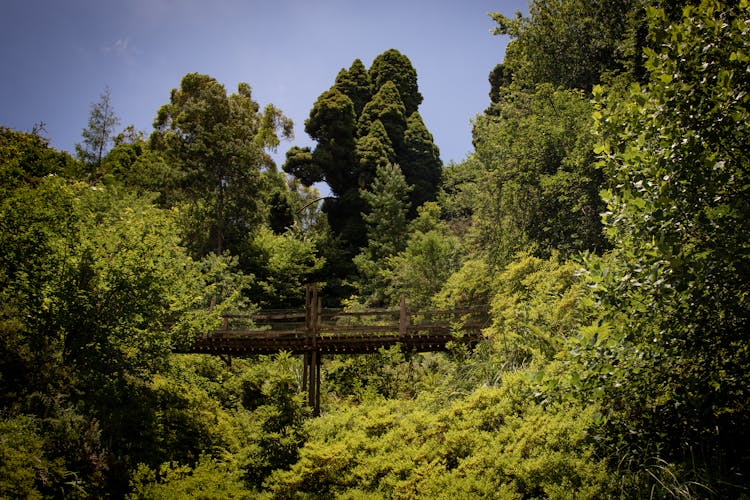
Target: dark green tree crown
395, 67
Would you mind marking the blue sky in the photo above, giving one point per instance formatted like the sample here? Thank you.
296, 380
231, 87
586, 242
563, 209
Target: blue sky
58, 56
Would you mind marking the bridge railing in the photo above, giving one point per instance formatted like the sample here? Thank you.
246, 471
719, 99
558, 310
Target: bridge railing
285, 323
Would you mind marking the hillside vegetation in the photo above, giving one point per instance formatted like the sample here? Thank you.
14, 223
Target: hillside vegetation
603, 216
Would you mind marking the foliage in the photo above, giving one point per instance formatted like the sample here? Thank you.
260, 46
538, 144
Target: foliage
567, 43
431, 255
283, 264
387, 107
469, 286
393, 66
141, 169
270, 421
99, 133
615, 360
460, 188
27, 158
332, 125
420, 162
364, 121
537, 306
541, 191
21, 458
94, 285
669, 358
210, 478
374, 150
386, 228
495, 442
219, 143
355, 84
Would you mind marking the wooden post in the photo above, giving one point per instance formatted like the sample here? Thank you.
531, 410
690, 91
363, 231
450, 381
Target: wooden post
313, 380
308, 307
316, 407
305, 370
402, 317
315, 396
311, 374
305, 357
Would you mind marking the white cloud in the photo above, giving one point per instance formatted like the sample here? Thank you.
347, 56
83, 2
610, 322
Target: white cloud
123, 49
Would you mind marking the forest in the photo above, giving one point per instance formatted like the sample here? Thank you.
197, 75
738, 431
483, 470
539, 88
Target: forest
603, 216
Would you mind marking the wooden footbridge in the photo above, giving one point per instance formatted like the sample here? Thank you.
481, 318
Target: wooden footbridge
316, 331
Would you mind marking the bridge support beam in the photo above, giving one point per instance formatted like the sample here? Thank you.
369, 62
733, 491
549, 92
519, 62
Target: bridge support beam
311, 370
311, 379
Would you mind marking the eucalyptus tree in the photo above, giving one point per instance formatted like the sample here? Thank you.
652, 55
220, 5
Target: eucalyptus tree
220, 143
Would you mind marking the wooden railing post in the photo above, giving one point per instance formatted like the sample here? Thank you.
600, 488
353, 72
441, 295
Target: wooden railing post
308, 308
402, 317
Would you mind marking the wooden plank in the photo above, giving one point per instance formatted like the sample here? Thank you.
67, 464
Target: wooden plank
358, 328
453, 312
357, 314
266, 334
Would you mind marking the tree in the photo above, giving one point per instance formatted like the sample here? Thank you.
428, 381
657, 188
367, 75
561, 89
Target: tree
386, 218
429, 257
386, 221
568, 43
332, 125
387, 107
282, 264
27, 158
420, 162
219, 143
100, 132
95, 289
542, 187
393, 66
500, 77
362, 122
373, 150
669, 358
355, 84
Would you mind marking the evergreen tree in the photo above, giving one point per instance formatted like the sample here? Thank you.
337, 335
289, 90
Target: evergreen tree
393, 66
386, 218
355, 84
100, 132
332, 125
420, 162
373, 150
386, 106
388, 207
362, 123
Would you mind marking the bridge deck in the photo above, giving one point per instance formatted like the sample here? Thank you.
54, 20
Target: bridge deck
355, 340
